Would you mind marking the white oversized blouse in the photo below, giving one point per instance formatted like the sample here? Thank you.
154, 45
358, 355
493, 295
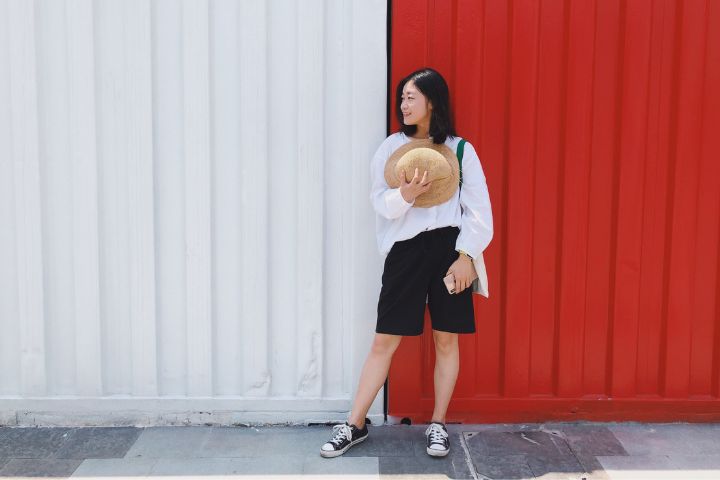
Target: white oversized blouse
468, 209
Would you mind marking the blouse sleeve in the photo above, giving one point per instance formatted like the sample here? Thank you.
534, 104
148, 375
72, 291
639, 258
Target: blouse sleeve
476, 228
387, 202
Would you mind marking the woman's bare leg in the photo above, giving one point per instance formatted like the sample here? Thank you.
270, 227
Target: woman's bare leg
373, 375
447, 365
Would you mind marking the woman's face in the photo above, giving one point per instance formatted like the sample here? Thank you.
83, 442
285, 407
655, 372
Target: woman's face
414, 106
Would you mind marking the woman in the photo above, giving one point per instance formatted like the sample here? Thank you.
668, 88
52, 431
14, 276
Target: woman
422, 245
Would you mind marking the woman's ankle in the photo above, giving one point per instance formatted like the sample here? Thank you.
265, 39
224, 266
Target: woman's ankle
358, 424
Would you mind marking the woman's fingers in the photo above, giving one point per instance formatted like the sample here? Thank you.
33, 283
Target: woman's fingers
417, 183
420, 181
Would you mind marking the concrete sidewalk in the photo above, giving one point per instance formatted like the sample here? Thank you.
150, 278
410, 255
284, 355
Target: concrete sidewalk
499, 451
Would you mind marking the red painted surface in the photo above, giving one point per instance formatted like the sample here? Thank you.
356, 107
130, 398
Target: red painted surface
598, 125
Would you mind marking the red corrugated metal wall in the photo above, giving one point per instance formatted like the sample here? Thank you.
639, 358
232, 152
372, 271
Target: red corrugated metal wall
598, 125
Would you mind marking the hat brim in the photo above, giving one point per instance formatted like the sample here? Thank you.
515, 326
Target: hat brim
442, 189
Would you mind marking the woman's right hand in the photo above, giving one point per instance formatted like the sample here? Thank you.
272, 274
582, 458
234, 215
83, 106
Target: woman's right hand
415, 187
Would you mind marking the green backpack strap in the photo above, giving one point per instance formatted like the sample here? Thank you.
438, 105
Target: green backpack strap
460, 150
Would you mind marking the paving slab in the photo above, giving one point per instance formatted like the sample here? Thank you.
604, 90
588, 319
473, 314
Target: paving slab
115, 467
546, 454
667, 439
31, 442
98, 442
231, 442
592, 440
344, 465
447, 467
661, 467
697, 462
39, 467
169, 442
454, 465
504, 467
277, 465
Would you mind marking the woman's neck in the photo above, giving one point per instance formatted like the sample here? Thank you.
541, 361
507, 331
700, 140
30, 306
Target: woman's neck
422, 132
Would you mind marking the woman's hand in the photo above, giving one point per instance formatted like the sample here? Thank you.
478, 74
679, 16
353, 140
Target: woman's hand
464, 272
416, 187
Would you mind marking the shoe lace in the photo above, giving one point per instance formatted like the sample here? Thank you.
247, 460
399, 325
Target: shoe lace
341, 432
436, 433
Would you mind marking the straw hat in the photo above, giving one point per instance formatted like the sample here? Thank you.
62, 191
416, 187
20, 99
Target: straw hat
440, 162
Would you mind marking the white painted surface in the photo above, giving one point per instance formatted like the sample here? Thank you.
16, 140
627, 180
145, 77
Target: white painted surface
186, 234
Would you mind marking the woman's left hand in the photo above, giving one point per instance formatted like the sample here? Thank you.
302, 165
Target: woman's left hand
464, 272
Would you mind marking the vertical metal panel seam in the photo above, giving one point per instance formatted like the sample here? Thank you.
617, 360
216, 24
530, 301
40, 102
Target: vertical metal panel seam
90, 381
480, 142
98, 195
538, 26
322, 387
196, 142
152, 13
672, 161
453, 52
561, 197
41, 227
715, 390
309, 276
33, 372
483, 10
504, 203
609, 360
268, 190
142, 274
348, 309
10, 378
40, 193
430, 31
638, 333
244, 382
212, 252
715, 383
154, 168
589, 153
701, 123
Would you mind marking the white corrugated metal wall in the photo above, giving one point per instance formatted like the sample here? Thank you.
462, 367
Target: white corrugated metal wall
186, 231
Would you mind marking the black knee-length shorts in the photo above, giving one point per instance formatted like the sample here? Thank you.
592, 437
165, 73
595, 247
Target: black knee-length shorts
413, 273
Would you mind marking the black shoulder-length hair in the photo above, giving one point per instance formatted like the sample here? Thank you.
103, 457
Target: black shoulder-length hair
434, 87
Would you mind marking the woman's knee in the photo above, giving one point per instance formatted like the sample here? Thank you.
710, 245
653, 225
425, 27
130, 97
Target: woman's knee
445, 342
384, 344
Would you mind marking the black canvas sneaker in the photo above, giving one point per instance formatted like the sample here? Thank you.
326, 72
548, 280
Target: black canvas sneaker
343, 437
438, 443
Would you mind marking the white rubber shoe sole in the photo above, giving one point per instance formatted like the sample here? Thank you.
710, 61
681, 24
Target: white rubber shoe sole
337, 453
436, 453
